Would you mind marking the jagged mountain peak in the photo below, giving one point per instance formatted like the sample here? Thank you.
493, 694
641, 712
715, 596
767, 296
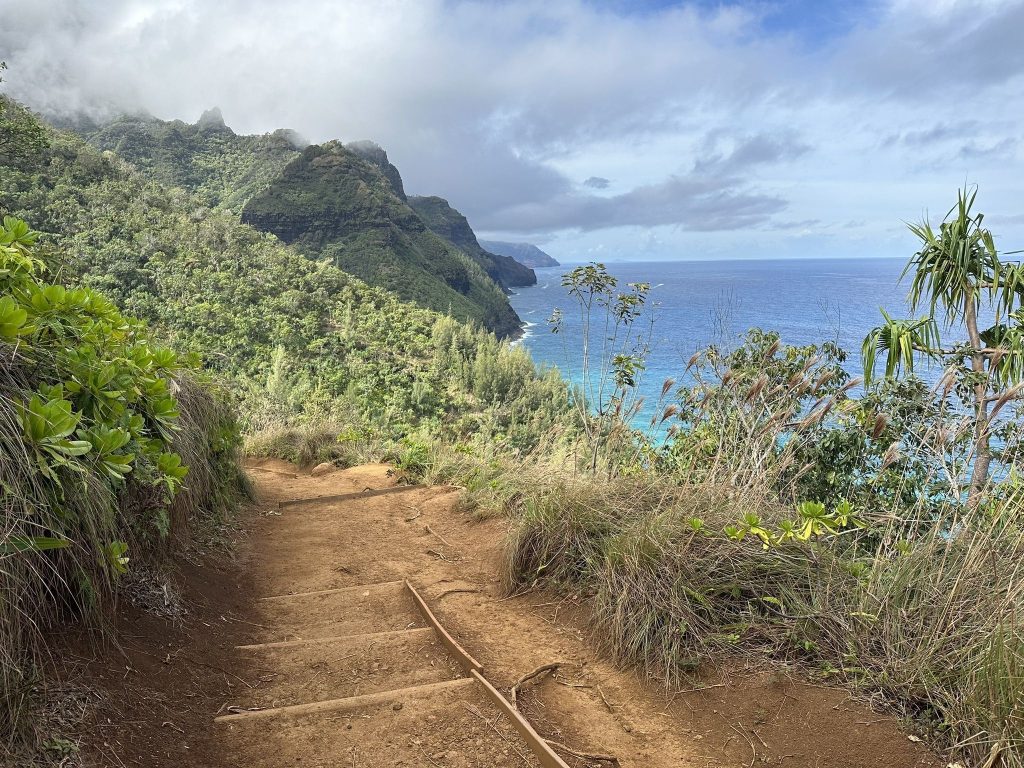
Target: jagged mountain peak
212, 119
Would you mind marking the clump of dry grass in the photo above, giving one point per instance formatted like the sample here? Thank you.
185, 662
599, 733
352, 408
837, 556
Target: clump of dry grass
314, 443
931, 627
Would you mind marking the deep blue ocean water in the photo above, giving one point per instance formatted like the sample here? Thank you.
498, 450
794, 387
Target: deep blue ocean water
698, 303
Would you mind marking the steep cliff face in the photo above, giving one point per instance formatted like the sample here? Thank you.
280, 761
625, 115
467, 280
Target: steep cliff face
333, 202
453, 227
523, 253
375, 154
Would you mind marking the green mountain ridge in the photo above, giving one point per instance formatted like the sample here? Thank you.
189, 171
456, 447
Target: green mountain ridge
223, 168
454, 227
342, 202
293, 337
333, 203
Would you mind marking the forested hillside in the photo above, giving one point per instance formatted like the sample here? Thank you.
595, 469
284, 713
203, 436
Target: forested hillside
343, 202
298, 336
332, 202
208, 158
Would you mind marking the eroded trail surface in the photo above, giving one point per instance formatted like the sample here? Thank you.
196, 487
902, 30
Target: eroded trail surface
322, 659
367, 639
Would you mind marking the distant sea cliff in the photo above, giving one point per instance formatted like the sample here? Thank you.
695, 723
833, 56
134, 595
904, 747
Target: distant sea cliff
525, 253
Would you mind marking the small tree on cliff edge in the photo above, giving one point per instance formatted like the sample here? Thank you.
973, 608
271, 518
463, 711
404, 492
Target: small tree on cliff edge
956, 273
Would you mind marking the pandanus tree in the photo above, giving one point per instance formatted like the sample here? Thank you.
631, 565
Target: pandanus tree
959, 277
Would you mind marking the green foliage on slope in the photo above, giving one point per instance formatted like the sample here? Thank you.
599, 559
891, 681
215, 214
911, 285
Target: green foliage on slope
333, 203
447, 222
109, 443
342, 202
208, 158
300, 338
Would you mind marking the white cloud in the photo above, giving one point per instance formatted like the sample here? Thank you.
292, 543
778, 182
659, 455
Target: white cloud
703, 120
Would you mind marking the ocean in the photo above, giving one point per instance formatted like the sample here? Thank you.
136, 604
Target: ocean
697, 303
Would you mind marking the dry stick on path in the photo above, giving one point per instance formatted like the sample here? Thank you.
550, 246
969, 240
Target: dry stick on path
550, 668
479, 714
454, 592
595, 756
517, 685
605, 700
431, 531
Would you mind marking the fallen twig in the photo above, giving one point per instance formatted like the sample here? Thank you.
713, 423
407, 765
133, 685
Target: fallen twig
529, 676
746, 738
454, 592
430, 530
700, 688
605, 700
479, 714
597, 756
432, 760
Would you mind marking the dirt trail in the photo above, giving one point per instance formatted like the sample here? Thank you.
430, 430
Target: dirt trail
361, 636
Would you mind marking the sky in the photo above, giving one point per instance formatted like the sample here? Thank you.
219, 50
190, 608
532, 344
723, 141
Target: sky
599, 130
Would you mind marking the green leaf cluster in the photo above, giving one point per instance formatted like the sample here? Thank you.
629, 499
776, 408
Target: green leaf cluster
97, 393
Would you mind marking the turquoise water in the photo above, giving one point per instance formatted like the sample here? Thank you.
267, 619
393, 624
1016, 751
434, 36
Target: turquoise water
702, 303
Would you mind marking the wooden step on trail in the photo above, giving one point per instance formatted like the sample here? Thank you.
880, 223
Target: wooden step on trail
349, 703
369, 493
339, 639
337, 590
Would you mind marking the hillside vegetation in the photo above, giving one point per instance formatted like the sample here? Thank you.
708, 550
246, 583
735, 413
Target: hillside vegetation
299, 337
222, 168
333, 203
112, 448
784, 518
341, 202
767, 511
447, 222
113, 439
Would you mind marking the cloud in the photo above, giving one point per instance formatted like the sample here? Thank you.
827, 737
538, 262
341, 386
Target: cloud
711, 117
691, 202
936, 134
749, 151
999, 149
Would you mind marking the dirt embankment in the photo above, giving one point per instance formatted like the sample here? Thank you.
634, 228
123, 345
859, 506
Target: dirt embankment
339, 669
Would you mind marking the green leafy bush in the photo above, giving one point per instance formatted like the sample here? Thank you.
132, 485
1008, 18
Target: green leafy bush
96, 451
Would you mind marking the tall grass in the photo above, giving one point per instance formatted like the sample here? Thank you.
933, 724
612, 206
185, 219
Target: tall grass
932, 628
40, 590
919, 604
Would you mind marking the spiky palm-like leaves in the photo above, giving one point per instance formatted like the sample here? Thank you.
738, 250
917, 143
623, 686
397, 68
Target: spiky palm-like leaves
956, 274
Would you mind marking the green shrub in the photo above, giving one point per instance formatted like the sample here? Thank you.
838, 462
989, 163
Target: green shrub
109, 447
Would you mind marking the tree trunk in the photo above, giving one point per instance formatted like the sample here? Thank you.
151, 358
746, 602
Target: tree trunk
982, 451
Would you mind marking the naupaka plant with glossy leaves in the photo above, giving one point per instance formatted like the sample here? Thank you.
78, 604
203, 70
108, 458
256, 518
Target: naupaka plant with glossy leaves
959, 276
